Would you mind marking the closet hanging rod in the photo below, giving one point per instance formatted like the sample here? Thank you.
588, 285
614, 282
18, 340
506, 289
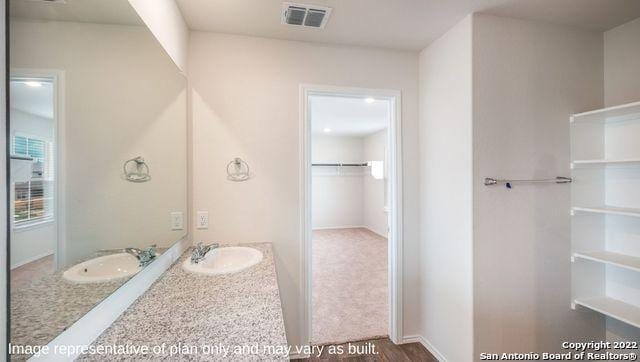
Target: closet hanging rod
558, 180
340, 164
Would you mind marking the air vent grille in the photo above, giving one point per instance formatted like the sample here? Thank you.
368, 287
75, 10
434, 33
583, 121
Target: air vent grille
295, 15
50, 1
311, 16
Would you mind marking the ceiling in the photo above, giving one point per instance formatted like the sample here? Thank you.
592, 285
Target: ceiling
348, 116
397, 24
116, 12
33, 100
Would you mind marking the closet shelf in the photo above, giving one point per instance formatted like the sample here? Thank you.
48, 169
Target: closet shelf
608, 210
627, 161
613, 308
607, 257
625, 112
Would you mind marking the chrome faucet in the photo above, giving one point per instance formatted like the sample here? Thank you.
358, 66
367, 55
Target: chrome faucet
200, 251
145, 257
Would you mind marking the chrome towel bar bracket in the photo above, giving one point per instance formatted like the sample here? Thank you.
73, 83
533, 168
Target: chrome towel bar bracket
509, 183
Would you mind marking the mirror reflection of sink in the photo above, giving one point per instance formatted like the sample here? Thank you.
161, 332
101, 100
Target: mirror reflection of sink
103, 269
225, 260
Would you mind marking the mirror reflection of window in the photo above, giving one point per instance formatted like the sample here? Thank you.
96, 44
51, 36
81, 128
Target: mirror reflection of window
34, 198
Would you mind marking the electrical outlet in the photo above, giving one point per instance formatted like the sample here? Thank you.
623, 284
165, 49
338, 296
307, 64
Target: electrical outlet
177, 220
203, 220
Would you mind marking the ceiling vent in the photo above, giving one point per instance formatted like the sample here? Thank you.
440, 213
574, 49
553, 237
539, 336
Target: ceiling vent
50, 1
310, 16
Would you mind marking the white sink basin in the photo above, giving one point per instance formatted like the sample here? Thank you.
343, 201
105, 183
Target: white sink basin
225, 260
103, 269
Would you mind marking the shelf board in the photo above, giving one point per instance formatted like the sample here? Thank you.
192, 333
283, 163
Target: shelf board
624, 112
607, 257
609, 210
613, 308
626, 161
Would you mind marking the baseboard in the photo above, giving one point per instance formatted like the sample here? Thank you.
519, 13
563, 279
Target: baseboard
377, 233
33, 258
340, 227
420, 339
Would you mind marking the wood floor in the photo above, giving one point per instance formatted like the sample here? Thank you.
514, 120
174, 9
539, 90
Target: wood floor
383, 350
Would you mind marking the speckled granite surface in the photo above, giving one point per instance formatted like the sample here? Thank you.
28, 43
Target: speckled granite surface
49, 304
205, 316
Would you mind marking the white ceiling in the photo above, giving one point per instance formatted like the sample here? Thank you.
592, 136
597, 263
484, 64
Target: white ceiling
396, 24
348, 116
117, 12
38, 101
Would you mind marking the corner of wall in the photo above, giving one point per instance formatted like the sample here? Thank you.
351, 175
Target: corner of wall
446, 190
165, 21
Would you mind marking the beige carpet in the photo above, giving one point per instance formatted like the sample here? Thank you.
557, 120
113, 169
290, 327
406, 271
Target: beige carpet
349, 286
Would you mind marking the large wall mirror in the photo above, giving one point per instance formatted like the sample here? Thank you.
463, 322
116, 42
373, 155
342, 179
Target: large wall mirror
97, 158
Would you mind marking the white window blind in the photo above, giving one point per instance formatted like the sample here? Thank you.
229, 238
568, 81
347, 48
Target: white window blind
34, 199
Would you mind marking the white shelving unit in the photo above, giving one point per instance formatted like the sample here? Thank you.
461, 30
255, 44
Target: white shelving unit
608, 210
585, 163
614, 308
613, 114
611, 258
605, 209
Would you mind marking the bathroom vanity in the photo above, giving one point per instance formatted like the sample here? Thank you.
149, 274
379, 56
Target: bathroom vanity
199, 315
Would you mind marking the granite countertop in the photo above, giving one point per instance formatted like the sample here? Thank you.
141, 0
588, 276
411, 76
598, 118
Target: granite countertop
44, 307
203, 317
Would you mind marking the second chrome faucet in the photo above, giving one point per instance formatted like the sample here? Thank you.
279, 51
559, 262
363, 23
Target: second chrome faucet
200, 251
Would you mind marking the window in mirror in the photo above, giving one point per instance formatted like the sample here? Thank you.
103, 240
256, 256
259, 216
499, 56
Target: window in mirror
34, 197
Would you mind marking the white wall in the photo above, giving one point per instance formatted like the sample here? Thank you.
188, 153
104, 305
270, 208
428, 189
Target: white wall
374, 199
245, 103
164, 19
337, 193
123, 98
622, 85
446, 249
32, 243
31, 125
528, 78
621, 70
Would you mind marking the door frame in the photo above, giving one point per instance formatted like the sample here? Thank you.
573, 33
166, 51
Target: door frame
58, 79
395, 232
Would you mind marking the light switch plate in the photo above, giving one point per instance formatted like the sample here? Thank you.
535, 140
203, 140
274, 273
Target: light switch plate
177, 220
203, 220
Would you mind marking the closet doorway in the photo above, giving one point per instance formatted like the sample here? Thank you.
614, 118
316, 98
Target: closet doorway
351, 246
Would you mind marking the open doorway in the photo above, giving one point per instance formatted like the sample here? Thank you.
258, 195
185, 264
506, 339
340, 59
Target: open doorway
34, 177
351, 227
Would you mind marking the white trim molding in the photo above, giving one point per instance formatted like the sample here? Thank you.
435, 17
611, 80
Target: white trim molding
394, 191
420, 339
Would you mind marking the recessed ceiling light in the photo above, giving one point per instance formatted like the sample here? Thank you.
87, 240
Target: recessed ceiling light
326, 130
32, 83
369, 100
